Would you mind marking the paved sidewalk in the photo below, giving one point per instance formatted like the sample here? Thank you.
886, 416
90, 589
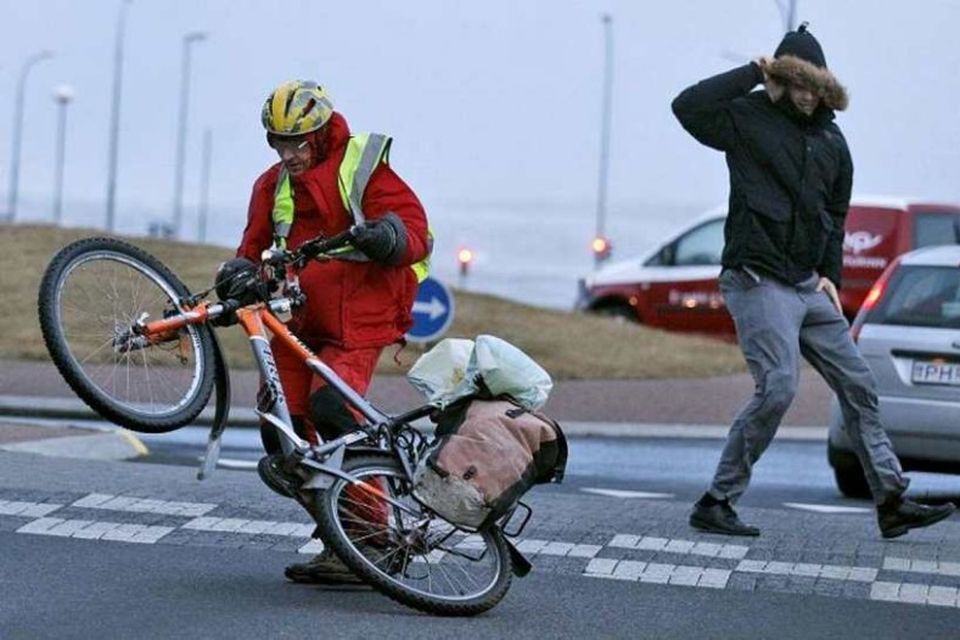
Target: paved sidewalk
690, 401
699, 408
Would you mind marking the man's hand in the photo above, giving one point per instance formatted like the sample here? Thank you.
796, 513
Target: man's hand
774, 88
382, 240
827, 285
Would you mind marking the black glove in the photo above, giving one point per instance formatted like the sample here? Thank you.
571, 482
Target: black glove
383, 240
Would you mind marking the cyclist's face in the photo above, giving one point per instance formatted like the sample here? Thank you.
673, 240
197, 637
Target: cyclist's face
295, 153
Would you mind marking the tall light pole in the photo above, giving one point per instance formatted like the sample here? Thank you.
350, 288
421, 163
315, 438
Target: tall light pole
115, 118
188, 40
62, 95
18, 130
601, 246
788, 11
204, 186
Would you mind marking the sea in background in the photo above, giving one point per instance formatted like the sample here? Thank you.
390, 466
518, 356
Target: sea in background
528, 252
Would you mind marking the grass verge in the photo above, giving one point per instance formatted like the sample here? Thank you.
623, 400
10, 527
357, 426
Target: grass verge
569, 345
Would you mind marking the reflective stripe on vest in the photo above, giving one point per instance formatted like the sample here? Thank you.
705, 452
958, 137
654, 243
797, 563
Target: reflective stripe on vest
365, 152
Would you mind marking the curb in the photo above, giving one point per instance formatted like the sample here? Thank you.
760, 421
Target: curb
245, 417
95, 443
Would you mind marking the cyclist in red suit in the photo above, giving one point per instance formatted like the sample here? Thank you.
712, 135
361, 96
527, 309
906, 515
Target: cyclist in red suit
356, 305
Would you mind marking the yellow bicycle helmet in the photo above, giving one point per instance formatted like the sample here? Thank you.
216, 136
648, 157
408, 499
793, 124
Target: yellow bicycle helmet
296, 107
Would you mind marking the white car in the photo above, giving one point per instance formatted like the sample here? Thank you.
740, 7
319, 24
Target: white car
908, 330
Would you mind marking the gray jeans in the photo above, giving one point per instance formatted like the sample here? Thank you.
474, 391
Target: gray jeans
776, 324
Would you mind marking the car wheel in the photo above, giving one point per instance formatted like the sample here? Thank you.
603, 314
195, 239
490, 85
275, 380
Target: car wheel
848, 473
621, 312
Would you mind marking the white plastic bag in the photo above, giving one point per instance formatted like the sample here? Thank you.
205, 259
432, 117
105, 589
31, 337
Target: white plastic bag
504, 369
441, 370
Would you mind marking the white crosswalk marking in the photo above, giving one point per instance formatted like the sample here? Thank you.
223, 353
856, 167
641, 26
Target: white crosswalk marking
651, 543
836, 572
143, 505
922, 566
27, 509
731, 558
92, 530
660, 573
238, 525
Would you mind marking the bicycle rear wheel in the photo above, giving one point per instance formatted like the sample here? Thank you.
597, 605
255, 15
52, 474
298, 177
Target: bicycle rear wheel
92, 293
412, 556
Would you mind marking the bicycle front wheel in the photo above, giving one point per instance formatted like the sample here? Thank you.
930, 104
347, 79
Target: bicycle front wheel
410, 554
93, 292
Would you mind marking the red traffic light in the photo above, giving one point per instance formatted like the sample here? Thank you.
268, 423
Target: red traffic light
464, 257
601, 247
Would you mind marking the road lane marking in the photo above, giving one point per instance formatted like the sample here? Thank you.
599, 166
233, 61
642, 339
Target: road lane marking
936, 567
621, 493
94, 530
143, 505
650, 543
27, 509
826, 508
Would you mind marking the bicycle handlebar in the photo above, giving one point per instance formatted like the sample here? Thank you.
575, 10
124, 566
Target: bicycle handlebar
312, 249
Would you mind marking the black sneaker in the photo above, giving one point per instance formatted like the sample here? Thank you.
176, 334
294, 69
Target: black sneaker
720, 518
325, 568
902, 515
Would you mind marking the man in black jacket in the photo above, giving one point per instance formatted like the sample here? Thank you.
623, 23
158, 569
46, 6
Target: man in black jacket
790, 181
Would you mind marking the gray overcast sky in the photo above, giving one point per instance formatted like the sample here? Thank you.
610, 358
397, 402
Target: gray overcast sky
494, 101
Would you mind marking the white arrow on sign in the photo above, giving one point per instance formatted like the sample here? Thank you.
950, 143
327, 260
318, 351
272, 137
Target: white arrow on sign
435, 308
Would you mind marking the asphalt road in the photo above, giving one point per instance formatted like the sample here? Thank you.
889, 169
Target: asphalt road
612, 552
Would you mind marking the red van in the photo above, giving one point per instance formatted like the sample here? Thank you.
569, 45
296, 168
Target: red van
675, 285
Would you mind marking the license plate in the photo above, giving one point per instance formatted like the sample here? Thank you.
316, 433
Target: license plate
936, 373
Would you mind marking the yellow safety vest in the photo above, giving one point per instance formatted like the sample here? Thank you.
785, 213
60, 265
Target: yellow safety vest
365, 152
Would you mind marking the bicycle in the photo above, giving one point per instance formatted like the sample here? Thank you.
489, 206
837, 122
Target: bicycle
96, 302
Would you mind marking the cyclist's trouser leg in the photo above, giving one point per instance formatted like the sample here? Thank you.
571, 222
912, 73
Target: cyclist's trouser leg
332, 418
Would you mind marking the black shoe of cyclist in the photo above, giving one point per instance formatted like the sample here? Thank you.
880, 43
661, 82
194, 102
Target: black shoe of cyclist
325, 568
273, 471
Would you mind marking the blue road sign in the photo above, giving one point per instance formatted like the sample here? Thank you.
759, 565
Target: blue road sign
432, 311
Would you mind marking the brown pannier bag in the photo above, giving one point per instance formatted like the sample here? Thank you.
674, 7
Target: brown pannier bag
488, 454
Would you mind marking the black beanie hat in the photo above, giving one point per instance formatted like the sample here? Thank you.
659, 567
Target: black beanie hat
802, 44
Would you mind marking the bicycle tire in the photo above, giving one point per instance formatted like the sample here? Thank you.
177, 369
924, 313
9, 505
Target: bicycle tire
334, 534
141, 264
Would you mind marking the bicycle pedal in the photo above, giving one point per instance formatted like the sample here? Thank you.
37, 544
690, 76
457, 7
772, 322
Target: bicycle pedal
271, 471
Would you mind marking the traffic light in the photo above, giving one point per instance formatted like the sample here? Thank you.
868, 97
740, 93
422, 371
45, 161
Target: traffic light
601, 248
464, 257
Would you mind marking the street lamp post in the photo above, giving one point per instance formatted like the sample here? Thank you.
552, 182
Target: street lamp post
115, 118
188, 40
600, 243
204, 186
788, 11
18, 130
62, 95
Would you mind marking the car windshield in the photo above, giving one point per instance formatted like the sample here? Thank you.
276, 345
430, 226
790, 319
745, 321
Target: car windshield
921, 296
936, 228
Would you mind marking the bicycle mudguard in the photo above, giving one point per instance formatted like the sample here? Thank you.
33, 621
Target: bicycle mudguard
221, 412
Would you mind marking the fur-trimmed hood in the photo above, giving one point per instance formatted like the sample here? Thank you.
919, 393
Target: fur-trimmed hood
792, 70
